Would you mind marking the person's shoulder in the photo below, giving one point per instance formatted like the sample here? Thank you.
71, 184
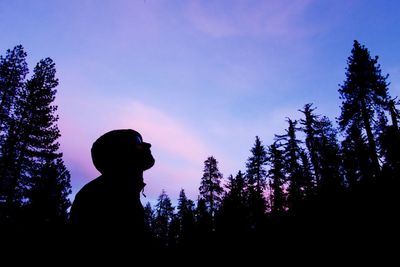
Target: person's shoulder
85, 198
95, 186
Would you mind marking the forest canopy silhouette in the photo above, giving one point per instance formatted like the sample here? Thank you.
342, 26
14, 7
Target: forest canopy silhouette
334, 183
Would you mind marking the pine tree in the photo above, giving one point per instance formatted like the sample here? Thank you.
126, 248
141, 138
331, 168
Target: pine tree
256, 173
186, 217
13, 70
329, 156
277, 179
292, 154
236, 189
149, 217
234, 210
306, 173
163, 217
210, 188
364, 93
394, 113
323, 149
256, 176
32, 171
389, 142
309, 128
48, 195
204, 224
174, 231
355, 159
39, 157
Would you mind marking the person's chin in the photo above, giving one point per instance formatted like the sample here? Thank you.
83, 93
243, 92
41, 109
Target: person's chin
148, 163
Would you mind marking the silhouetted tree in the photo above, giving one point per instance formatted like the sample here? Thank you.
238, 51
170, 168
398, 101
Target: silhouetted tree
256, 173
32, 170
389, 143
355, 159
48, 186
386, 189
256, 176
309, 127
394, 113
13, 70
306, 173
203, 220
174, 231
234, 210
210, 188
48, 195
163, 217
277, 179
329, 156
149, 217
186, 217
236, 193
380, 127
298, 186
363, 93
323, 148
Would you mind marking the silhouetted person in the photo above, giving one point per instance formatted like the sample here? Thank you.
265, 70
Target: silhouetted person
109, 207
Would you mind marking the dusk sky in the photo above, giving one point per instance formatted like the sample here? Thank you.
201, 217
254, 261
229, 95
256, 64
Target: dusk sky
195, 78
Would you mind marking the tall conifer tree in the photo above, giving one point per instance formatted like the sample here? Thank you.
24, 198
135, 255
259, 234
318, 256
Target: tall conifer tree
48, 186
364, 93
210, 188
164, 214
277, 179
13, 70
256, 175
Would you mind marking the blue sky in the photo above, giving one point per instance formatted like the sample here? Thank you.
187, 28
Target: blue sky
196, 78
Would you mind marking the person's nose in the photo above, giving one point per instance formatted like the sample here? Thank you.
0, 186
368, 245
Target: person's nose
146, 145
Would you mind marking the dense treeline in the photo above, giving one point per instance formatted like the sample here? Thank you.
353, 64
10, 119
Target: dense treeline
34, 182
335, 183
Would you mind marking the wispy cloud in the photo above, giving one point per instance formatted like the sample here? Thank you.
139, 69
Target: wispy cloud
179, 151
216, 25
272, 18
163, 131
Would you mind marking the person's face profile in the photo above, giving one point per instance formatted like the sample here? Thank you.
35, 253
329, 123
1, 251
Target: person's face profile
122, 152
139, 154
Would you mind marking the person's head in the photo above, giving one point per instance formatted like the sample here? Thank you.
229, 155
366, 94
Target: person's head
121, 152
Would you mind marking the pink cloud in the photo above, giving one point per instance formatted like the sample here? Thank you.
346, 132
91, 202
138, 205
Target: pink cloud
178, 150
75, 145
163, 131
173, 179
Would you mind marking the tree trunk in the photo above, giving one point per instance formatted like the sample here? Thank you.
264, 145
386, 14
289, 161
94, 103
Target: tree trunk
314, 161
393, 114
371, 141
